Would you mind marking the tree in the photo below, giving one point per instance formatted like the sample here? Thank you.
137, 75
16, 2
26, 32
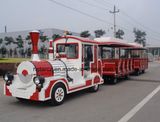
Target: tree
28, 52
22, 52
3, 51
28, 38
42, 51
119, 34
99, 33
43, 38
85, 34
19, 41
140, 36
15, 52
1, 41
55, 36
8, 40
10, 52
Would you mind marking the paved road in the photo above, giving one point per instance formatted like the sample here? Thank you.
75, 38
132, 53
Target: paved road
110, 104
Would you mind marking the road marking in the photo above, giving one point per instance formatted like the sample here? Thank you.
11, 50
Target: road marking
134, 110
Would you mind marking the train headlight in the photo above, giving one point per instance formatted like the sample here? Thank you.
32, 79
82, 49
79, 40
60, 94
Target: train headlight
8, 77
38, 80
5, 77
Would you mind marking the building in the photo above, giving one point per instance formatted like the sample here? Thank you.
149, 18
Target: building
155, 51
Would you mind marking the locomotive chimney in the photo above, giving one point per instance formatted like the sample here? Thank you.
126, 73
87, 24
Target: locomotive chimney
50, 51
34, 39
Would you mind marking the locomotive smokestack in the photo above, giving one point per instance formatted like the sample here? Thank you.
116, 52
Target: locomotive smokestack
50, 51
34, 39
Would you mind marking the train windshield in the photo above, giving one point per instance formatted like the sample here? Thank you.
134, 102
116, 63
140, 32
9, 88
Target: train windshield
70, 50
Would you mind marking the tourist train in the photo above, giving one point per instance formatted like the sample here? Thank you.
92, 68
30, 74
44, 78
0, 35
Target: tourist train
74, 64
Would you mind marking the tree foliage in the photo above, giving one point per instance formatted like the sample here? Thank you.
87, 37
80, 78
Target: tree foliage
43, 38
8, 40
3, 51
1, 41
15, 52
28, 52
28, 38
55, 36
85, 34
43, 51
140, 36
99, 33
120, 34
19, 41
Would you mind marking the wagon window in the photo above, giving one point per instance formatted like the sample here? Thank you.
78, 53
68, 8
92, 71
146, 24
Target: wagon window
107, 53
135, 54
124, 53
70, 50
99, 53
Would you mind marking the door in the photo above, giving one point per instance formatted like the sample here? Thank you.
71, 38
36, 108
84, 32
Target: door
87, 59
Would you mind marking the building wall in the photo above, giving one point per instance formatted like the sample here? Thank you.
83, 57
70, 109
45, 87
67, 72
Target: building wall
155, 51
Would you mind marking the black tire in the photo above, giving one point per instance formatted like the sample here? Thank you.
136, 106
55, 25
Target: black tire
143, 71
126, 77
58, 94
114, 81
94, 88
106, 80
21, 99
137, 73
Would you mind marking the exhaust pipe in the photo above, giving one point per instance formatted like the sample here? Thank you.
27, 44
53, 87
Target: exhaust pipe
34, 39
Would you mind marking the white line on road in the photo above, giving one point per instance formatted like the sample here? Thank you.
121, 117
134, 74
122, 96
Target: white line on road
133, 111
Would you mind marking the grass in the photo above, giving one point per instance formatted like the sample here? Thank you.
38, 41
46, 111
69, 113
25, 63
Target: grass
13, 60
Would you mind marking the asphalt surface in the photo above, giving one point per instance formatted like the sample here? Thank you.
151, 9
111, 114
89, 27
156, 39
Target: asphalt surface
110, 104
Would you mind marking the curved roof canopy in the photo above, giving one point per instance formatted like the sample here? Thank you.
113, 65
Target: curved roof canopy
113, 42
136, 46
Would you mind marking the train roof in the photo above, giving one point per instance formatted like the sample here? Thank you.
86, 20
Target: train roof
136, 46
110, 41
81, 39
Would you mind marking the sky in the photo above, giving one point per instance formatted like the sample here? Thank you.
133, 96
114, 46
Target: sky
80, 15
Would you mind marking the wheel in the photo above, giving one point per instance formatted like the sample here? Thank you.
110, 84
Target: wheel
137, 73
126, 77
58, 94
21, 99
143, 71
105, 79
114, 80
94, 88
